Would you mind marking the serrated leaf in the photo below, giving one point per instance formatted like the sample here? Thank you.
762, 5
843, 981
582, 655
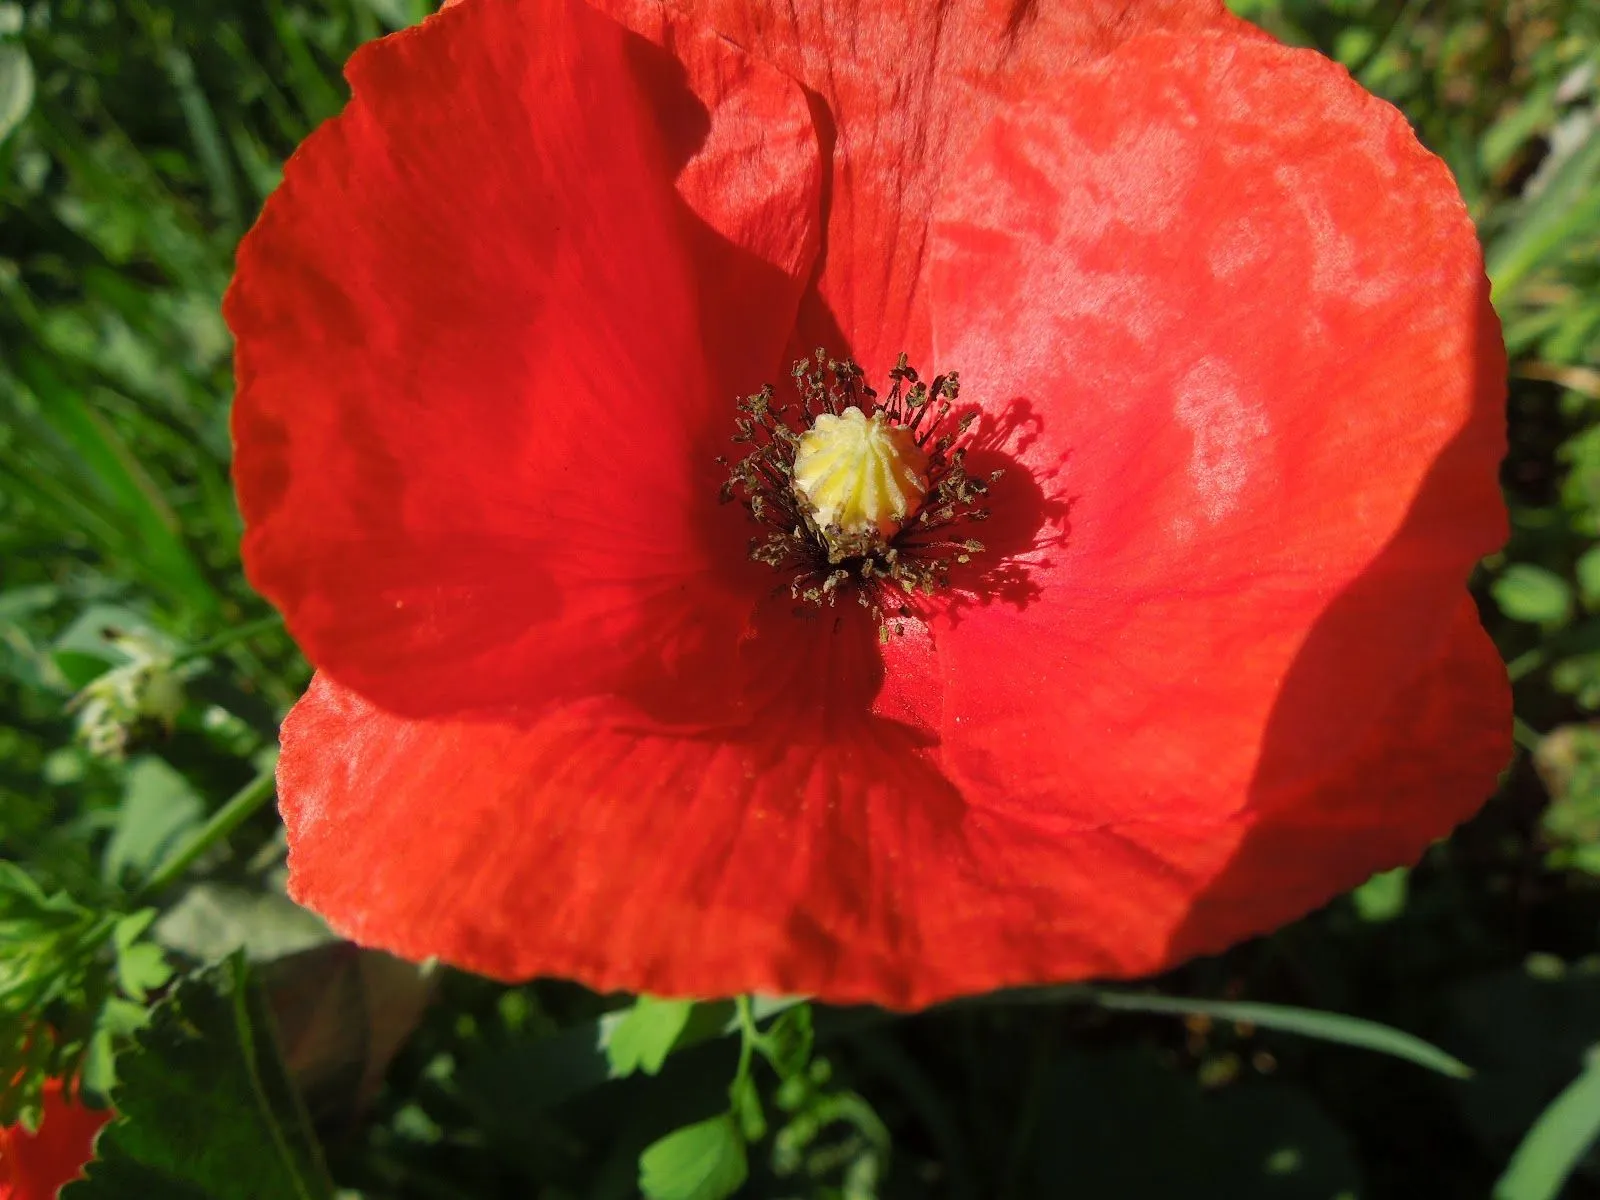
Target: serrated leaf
1558, 1140
644, 1037
205, 1106
1529, 593
16, 88
704, 1161
159, 807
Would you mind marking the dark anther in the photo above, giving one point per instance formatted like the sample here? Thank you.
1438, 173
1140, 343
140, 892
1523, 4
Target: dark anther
824, 562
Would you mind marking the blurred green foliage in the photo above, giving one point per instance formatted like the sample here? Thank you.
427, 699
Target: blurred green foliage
137, 139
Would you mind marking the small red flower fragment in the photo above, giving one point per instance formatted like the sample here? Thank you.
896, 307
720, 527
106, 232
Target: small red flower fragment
34, 1166
1135, 625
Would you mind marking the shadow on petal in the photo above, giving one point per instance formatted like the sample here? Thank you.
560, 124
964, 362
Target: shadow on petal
1344, 788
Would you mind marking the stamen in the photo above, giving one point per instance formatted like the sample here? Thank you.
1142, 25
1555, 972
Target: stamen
857, 494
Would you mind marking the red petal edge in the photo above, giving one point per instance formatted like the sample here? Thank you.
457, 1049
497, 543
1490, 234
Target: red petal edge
1232, 321
35, 1166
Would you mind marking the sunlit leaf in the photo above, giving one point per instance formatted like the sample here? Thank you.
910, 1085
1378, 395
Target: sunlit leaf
1529, 593
704, 1161
645, 1036
159, 807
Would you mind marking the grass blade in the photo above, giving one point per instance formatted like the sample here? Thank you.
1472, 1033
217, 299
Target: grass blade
1324, 1026
1558, 1140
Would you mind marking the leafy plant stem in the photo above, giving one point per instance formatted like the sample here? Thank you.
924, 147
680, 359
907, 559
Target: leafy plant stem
223, 822
229, 637
749, 1035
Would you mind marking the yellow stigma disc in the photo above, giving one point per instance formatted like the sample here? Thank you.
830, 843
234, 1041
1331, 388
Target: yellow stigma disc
860, 475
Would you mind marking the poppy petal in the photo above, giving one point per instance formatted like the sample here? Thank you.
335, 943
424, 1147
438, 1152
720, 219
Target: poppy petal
902, 91
786, 858
848, 869
1232, 319
35, 1166
480, 383
1425, 767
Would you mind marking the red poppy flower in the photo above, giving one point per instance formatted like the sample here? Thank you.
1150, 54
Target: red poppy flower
1225, 327
34, 1166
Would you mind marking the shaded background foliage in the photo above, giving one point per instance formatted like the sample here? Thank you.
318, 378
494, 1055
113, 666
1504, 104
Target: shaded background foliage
137, 140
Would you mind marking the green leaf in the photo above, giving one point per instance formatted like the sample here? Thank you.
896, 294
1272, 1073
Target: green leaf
704, 1161
744, 1101
1550, 220
215, 919
1558, 1140
16, 87
534, 1078
206, 1109
86, 453
788, 1043
1383, 897
159, 808
1325, 1026
398, 14
645, 1036
1529, 593
141, 966
1587, 569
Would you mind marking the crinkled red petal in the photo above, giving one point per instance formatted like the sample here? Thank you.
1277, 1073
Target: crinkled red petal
901, 92
1231, 320
35, 1166
484, 365
1228, 322
843, 865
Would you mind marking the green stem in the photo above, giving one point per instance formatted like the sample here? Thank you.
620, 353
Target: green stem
229, 637
224, 821
749, 1035
1525, 735
1525, 664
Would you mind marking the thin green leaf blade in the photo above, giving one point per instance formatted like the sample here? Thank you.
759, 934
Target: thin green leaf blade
1558, 1140
1324, 1026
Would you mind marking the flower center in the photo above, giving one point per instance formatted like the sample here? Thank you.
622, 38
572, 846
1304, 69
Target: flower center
861, 478
854, 493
